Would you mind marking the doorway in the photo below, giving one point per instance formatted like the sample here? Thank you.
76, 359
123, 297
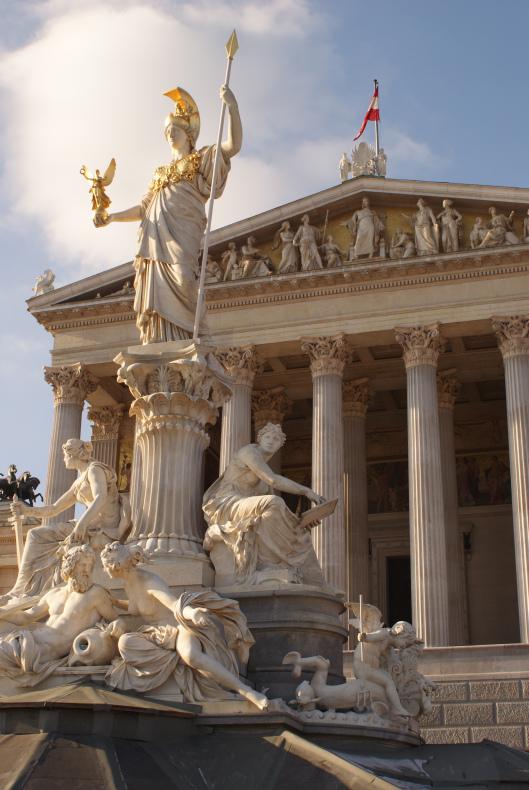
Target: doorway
398, 587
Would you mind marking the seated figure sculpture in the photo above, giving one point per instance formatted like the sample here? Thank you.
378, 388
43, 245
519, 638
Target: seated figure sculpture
197, 638
106, 518
32, 650
253, 527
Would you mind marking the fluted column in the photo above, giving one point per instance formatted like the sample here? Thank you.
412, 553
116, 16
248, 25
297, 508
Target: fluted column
355, 402
241, 364
421, 346
447, 389
71, 384
177, 393
105, 432
270, 406
513, 338
327, 360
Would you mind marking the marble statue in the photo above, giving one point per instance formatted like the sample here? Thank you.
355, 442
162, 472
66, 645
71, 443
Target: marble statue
414, 690
100, 199
381, 163
44, 283
357, 694
426, 229
306, 238
197, 638
35, 647
289, 262
254, 263
363, 160
500, 230
525, 235
374, 645
402, 245
106, 518
254, 526
366, 229
478, 233
451, 227
213, 271
230, 262
172, 221
332, 253
344, 167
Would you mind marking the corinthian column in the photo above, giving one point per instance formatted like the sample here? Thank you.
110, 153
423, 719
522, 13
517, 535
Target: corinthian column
421, 346
355, 402
327, 360
513, 338
176, 395
270, 406
241, 364
105, 432
71, 384
447, 389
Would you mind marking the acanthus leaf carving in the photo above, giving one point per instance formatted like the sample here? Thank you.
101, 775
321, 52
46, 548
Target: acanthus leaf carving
421, 345
512, 333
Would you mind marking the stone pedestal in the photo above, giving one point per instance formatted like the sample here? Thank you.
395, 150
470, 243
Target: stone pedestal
241, 365
355, 402
327, 360
270, 406
178, 388
71, 384
513, 338
448, 388
293, 617
421, 347
105, 432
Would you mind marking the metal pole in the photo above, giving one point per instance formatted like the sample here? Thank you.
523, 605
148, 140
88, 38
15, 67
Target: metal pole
361, 624
377, 141
231, 48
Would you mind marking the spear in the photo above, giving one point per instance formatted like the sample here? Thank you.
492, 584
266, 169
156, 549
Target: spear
232, 45
361, 624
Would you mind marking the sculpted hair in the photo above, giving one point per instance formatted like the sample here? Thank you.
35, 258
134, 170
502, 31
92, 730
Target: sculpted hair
79, 448
72, 557
402, 628
272, 427
117, 555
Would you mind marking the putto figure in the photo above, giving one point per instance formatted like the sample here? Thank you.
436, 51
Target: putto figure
172, 221
31, 652
255, 526
106, 518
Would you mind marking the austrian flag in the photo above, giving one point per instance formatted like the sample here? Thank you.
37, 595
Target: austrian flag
372, 113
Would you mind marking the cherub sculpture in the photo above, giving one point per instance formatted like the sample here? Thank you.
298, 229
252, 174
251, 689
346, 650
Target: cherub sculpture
375, 643
100, 200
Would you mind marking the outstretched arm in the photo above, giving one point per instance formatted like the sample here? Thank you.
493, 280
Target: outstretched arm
46, 511
255, 461
29, 616
128, 215
233, 143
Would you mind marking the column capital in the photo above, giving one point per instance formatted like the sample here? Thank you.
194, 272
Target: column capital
242, 363
270, 406
421, 345
355, 397
448, 387
70, 383
512, 333
105, 421
328, 355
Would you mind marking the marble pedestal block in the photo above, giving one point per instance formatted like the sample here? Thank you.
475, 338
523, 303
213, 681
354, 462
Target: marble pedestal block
292, 617
178, 388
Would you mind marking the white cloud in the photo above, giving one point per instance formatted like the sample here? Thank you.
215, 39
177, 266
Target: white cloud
407, 151
90, 86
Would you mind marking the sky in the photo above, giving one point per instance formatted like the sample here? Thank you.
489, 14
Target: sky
82, 81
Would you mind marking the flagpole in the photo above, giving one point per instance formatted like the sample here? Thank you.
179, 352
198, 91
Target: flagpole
232, 46
377, 146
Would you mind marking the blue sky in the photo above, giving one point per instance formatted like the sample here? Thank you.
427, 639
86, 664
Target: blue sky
83, 81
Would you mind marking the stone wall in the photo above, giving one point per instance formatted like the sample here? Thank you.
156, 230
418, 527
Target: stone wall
467, 711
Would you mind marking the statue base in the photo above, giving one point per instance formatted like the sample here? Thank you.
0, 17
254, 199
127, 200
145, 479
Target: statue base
293, 617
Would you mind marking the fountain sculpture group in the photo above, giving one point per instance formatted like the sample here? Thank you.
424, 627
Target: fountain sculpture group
139, 595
